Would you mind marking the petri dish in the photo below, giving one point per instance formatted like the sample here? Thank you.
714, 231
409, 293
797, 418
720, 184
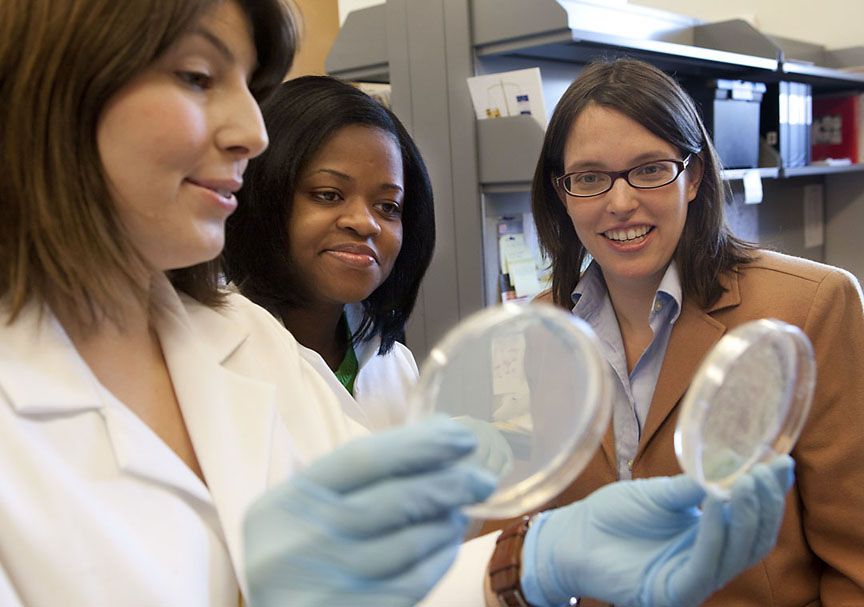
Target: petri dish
747, 403
532, 384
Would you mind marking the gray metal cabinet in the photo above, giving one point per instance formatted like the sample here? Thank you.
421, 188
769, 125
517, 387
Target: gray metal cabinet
482, 169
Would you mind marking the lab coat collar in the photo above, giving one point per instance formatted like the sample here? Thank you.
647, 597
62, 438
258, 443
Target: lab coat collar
231, 417
213, 328
41, 371
43, 375
364, 350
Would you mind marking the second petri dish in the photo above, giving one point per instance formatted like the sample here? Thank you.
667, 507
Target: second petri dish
532, 384
747, 403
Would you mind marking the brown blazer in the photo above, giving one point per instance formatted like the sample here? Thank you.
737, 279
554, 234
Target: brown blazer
819, 557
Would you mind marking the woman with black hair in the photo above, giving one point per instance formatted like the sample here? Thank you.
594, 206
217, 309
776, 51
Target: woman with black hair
333, 234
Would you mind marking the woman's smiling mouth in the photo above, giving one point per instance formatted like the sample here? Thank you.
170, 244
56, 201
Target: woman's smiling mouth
631, 234
354, 254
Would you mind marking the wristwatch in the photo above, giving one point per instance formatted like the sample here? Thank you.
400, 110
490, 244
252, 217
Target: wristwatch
505, 567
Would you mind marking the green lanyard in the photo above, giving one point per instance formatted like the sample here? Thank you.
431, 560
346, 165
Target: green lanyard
348, 368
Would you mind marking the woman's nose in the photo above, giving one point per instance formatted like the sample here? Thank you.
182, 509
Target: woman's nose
243, 133
358, 217
622, 199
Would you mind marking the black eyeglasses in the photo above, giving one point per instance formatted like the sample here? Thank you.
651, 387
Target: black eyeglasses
654, 174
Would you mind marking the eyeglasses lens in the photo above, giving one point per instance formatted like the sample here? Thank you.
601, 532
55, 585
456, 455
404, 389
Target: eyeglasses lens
646, 176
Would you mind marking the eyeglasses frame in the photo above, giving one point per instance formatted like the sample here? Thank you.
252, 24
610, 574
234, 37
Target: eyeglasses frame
616, 175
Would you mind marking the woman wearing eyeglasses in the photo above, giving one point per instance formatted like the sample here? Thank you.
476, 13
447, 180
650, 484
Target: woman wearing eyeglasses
628, 180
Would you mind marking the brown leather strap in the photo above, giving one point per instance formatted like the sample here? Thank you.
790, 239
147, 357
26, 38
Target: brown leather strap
505, 567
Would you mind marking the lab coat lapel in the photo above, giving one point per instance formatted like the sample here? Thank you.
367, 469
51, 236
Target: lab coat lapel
46, 377
230, 417
129, 438
694, 334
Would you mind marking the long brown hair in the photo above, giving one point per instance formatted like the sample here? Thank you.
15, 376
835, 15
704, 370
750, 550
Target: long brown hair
649, 97
60, 62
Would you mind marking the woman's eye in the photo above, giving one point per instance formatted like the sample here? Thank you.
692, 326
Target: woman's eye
653, 170
326, 196
586, 178
197, 80
390, 209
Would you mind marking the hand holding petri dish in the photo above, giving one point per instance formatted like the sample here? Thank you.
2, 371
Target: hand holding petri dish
747, 403
532, 384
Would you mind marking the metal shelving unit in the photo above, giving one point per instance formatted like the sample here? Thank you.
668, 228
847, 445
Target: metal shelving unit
815, 65
360, 51
426, 49
764, 173
578, 32
822, 169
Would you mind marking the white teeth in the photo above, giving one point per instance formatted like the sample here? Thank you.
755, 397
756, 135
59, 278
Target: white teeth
628, 234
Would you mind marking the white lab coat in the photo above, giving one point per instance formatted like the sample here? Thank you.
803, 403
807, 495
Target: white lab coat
382, 384
379, 402
96, 510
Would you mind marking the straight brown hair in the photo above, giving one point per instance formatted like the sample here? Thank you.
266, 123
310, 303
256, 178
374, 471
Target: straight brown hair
60, 62
646, 95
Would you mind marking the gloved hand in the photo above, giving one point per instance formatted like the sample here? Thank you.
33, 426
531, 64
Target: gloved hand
493, 452
376, 522
645, 543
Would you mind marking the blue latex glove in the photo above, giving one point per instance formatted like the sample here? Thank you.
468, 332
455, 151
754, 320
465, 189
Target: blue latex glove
645, 542
493, 452
376, 522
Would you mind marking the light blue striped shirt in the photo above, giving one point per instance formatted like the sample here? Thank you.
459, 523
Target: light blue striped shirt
631, 393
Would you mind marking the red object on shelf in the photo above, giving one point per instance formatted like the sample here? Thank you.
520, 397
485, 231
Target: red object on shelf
838, 127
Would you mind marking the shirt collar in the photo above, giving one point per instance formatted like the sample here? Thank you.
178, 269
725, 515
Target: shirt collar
669, 291
590, 292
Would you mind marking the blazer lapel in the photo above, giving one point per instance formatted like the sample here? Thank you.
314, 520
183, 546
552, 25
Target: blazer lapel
608, 446
694, 334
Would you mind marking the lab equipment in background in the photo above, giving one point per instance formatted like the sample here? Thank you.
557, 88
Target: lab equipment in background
523, 270
513, 93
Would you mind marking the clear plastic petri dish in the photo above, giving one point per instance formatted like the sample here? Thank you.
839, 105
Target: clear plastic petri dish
747, 403
532, 384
